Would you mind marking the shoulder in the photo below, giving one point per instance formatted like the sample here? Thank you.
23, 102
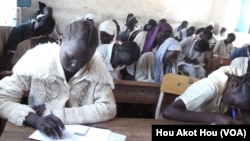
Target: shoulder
98, 71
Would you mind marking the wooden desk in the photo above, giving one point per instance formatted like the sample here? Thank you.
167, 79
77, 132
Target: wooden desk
136, 129
136, 92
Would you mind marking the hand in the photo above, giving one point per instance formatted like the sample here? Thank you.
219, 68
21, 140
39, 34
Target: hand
221, 119
39, 109
50, 125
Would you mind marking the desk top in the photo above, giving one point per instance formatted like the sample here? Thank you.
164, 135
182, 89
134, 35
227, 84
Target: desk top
136, 129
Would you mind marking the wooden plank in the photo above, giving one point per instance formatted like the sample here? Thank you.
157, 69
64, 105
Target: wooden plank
136, 92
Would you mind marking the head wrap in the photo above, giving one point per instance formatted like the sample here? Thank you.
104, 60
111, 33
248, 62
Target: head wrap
152, 34
109, 27
168, 44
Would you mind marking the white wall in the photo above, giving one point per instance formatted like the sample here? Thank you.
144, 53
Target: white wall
197, 12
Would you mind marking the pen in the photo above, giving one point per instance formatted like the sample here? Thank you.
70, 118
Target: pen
234, 113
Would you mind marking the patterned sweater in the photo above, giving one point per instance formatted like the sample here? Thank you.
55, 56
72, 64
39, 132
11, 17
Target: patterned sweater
86, 98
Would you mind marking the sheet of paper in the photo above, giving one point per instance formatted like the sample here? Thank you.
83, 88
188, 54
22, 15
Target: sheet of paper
72, 133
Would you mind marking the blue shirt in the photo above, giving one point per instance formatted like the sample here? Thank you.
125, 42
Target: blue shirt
240, 52
19, 33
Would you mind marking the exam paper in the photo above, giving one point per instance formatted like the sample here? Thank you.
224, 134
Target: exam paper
88, 134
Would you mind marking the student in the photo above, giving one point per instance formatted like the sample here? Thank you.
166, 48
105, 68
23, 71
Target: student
191, 58
131, 22
241, 52
68, 80
224, 48
150, 44
43, 26
183, 25
167, 57
209, 99
184, 33
107, 32
144, 70
222, 34
117, 56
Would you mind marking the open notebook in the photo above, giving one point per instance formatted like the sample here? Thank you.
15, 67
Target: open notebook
80, 133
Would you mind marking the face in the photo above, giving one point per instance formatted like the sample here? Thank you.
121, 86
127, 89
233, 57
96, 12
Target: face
161, 36
190, 32
74, 55
105, 37
233, 96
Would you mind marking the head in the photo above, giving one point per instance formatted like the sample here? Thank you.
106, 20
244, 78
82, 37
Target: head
190, 31
107, 32
131, 22
210, 28
207, 35
90, 16
199, 30
230, 38
44, 25
151, 24
163, 21
164, 32
236, 93
184, 24
78, 45
127, 53
223, 30
201, 45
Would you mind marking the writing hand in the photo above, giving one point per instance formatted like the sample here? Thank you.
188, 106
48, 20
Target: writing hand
50, 125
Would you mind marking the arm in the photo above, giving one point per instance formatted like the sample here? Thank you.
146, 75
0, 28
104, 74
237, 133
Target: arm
198, 104
99, 106
178, 111
216, 47
12, 89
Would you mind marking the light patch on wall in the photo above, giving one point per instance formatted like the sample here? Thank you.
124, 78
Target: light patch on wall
8, 13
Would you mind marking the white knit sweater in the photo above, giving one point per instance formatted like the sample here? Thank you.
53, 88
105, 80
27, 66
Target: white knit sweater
86, 98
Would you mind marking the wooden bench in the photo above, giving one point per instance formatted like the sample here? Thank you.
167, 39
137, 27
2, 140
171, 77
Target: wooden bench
136, 92
217, 62
136, 99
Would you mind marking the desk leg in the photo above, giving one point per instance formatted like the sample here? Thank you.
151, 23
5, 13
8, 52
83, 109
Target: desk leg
2, 125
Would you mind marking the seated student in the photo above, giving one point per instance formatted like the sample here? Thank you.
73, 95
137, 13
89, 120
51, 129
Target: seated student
68, 80
183, 25
241, 52
224, 48
43, 26
144, 70
117, 56
107, 32
191, 58
221, 35
167, 58
151, 42
209, 100
131, 22
27, 44
184, 33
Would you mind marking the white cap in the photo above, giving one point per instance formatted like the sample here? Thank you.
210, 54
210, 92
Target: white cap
90, 16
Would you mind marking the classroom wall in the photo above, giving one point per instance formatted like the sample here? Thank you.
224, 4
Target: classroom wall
197, 12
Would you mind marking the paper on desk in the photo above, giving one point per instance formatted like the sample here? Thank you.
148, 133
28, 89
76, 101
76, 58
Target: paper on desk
92, 134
